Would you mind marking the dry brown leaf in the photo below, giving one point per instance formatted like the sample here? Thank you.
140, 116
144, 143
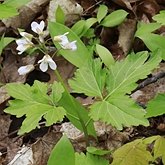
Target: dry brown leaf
26, 14
126, 35
9, 72
147, 8
71, 9
11, 145
42, 148
3, 95
125, 3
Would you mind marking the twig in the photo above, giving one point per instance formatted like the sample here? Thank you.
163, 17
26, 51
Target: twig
148, 81
97, 3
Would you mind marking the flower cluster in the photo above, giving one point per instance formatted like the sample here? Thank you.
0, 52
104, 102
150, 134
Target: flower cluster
26, 42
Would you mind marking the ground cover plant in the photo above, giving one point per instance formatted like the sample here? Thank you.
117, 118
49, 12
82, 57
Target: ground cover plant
108, 78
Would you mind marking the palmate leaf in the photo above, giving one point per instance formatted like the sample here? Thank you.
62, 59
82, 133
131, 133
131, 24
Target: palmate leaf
120, 111
133, 153
89, 79
124, 74
116, 108
156, 107
34, 103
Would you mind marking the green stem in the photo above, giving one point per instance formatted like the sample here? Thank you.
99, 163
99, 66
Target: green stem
78, 114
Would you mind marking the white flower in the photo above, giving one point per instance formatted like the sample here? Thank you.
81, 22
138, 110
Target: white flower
64, 42
25, 69
27, 36
23, 45
45, 62
70, 46
39, 29
62, 39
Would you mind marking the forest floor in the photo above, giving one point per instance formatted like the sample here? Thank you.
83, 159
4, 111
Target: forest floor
119, 40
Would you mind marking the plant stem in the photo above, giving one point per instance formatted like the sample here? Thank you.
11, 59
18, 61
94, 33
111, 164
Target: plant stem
78, 114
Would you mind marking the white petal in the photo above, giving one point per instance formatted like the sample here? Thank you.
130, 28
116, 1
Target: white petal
34, 26
62, 39
41, 38
21, 41
48, 58
70, 46
27, 36
42, 25
38, 28
25, 69
52, 65
21, 49
42, 60
44, 66
73, 45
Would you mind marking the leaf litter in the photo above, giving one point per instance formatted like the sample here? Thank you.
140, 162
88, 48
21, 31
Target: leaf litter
116, 41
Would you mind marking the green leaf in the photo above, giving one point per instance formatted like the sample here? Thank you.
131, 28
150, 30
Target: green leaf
24, 92
63, 153
114, 19
75, 111
4, 41
60, 15
35, 104
132, 153
78, 27
160, 17
124, 74
7, 11
89, 159
144, 28
57, 90
159, 148
89, 79
96, 151
105, 55
116, 108
156, 107
120, 111
16, 3
80, 159
102, 12
78, 57
53, 115
88, 24
152, 41
150, 139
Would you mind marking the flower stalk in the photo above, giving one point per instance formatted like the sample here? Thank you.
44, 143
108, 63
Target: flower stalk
78, 114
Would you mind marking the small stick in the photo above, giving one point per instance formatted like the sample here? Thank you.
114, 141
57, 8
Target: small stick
148, 81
